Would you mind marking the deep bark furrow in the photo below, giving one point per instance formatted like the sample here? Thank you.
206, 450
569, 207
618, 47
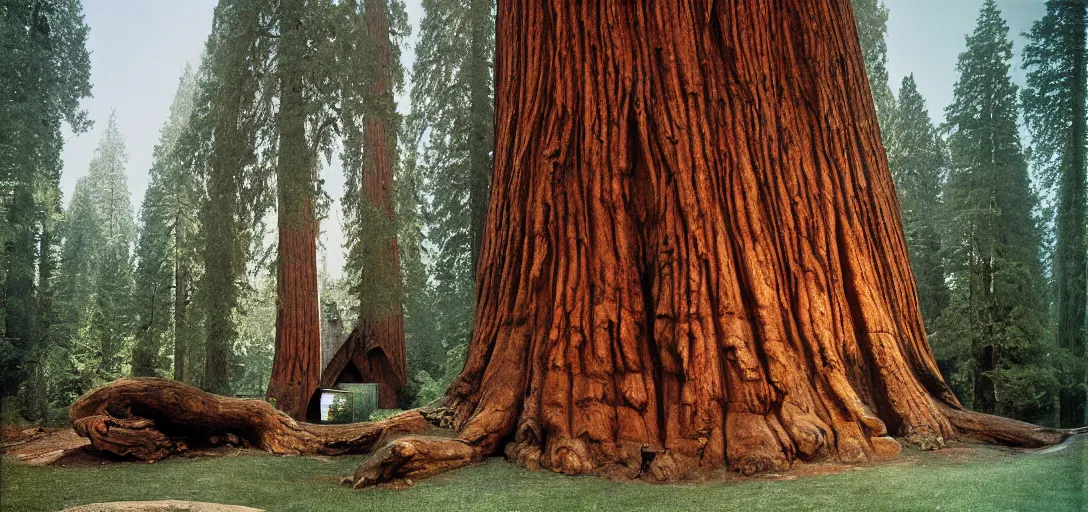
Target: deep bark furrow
709, 262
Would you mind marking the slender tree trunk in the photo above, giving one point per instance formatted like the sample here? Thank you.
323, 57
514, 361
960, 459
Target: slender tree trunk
1072, 241
382, 327
181, 305
296, 366
44, 314
19, 252
218, 286
482, 125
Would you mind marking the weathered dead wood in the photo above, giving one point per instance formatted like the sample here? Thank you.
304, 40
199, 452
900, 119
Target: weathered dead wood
1006, 431
413, 457
151, 418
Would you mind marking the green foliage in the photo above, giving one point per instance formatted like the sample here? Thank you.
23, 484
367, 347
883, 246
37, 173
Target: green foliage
995, 327
94, 294
871, 18
918, 163
384, 414
1055, 108
253, 349
449, 134
165, 254
46, 73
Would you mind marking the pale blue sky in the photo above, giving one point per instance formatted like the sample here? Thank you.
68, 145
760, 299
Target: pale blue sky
139, 48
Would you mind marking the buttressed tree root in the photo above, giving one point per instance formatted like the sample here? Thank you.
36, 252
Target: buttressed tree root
693, 258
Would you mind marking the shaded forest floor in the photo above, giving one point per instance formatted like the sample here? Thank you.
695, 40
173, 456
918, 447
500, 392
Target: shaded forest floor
961, 477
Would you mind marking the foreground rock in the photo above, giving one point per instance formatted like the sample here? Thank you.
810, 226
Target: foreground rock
160, 506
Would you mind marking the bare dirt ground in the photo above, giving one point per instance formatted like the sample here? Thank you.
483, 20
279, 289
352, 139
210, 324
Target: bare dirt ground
41, 446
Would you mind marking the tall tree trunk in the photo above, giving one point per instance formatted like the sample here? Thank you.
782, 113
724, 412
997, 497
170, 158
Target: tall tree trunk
296, 366
482, 124
44, 312
693, 255
220, 255
18, 253
382, 327
1072, 240
181, 304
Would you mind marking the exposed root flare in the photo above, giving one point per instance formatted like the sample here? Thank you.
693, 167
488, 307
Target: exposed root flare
404, 459
1010, 432
151, 418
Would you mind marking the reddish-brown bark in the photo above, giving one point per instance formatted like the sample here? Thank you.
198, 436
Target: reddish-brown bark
150, 418
296, 366
693, 255
376, 345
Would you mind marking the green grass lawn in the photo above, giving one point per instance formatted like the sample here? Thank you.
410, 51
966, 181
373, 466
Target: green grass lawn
957, 480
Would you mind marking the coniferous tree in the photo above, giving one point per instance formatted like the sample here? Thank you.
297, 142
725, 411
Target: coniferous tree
918, 162
295, 370
165, 226
94, 289
1055, 109
871, 18
153, 284
46, 73
423, 342
111, 327
81, 231
224, 145
451, 130
995, 325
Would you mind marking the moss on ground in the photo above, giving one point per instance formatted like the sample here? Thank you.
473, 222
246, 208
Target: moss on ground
976, 479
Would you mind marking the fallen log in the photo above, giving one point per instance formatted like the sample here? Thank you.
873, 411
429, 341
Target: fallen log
151, 418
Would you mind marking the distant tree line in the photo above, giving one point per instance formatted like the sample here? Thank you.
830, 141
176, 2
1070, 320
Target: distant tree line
995, 230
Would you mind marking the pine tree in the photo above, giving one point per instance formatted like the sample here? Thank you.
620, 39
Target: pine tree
223, 145
1055, 110
995, 324
46, 72
110, 320
81, 231
166, 225
451, 130
871, 18
423, 341
153, 283
918, 162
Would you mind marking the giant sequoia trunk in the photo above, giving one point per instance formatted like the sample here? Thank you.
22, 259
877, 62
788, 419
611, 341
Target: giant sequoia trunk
296, 367
693, 255
376, 347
